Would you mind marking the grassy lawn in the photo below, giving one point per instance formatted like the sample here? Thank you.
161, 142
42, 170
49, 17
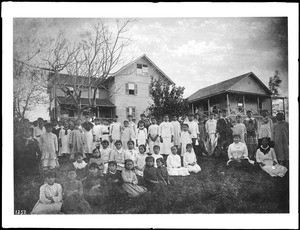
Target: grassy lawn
216, 189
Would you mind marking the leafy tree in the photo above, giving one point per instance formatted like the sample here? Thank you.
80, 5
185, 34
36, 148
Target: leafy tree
274, 83
167, 99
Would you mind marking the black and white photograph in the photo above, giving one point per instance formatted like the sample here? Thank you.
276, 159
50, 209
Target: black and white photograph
186, 117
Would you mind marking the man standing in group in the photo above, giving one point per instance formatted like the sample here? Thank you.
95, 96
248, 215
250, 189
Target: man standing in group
224, 130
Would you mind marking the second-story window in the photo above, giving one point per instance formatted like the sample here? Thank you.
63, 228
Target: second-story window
142, 69
131, 88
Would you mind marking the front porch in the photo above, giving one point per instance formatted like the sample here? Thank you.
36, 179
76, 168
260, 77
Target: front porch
234, 103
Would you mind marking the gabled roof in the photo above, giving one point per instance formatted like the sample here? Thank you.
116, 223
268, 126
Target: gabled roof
148, 59
85, 101
224, 86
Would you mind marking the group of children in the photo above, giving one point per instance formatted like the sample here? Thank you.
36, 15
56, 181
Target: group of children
125, 154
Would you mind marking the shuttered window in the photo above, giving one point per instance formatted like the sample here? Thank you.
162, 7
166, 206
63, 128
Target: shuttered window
130, 111
131, 88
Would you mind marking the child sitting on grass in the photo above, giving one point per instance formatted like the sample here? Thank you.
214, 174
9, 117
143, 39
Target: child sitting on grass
113, 176
50, 196
93, 180
238, 155
113, 179
174, 164
80, 166
162, 172
266, 158
96, 158
72, 185
105, 154
190, 160
150, 174
118, 155
141, 161
130, 184
156, 154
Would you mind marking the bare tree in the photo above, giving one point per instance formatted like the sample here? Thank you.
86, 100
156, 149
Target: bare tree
29, 86
89, 62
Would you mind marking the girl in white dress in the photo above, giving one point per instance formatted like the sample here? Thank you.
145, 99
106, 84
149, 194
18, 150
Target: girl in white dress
166, 133
141, 135
239, 128
64, 135
185, 138
131, 153
88, 146
156, 154
126, 134
177, 130
267, 160
50, 199
174, 164
49, 148
141, 161
153, 135
190, 160
105, 152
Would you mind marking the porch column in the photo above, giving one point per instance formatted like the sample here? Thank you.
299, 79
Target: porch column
228, 103
258, 106
271, 106
98, 111
192, 108
208, 106
244, 104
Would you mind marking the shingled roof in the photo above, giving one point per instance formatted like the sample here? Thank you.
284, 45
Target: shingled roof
223, 87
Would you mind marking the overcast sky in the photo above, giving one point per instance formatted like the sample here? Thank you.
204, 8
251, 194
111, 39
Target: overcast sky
198, 52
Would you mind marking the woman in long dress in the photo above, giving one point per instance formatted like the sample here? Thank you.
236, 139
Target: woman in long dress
266, 157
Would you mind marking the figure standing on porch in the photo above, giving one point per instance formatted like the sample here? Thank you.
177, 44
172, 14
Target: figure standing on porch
251, 137
281, 139
97, 130
132, 125
224, 130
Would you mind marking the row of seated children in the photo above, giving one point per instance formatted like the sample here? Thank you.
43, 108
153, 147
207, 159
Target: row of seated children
177, 166
54, 198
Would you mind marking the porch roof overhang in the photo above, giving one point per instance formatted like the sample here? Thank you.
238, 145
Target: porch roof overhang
85, 101
227, 91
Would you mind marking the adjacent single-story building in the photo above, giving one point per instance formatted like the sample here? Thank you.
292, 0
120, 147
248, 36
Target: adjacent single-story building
236, 95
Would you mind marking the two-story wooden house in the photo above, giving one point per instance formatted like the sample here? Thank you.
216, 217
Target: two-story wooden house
122, 93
